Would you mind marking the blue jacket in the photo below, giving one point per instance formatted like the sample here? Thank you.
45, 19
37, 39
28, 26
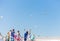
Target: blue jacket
25, 35
12, 34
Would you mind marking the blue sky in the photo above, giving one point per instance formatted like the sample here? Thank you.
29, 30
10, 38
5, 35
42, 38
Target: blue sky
41, 16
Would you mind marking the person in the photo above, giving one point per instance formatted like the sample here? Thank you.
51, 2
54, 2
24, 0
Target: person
32, 37
29, 36
12, 35
15, 37
8, 35
18, 38
25, 36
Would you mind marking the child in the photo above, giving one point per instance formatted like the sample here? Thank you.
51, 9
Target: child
18, 38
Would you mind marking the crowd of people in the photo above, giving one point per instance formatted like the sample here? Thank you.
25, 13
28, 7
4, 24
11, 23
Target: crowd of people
13, 36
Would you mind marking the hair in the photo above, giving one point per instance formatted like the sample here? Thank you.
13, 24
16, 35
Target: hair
13, 29
27, 32
18, 31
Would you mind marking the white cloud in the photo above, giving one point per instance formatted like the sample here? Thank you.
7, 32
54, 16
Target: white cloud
1, 17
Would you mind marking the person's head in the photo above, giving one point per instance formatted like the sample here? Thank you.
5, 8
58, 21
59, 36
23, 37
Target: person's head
13, 29
18, 32
10, 30
27, 32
